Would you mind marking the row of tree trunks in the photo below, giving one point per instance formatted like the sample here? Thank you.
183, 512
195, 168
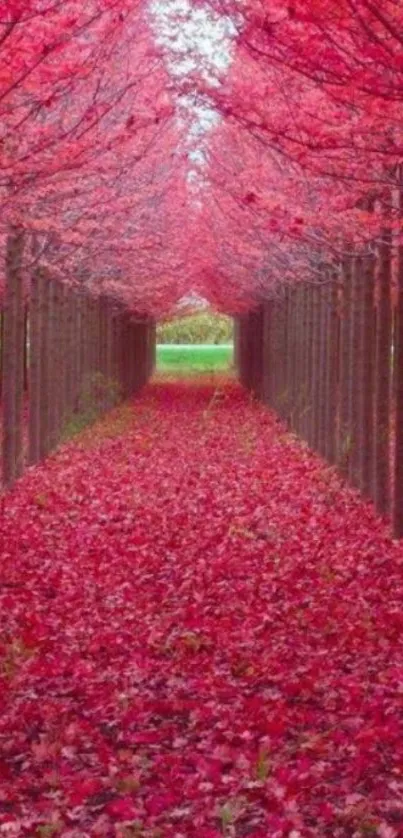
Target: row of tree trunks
328, 358
83, 354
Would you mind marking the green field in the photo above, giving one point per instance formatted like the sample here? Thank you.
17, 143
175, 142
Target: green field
194, 358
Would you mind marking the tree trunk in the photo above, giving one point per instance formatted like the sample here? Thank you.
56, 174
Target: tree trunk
13, 360
344, 419
367, 390
383, 379
44, 442
332, 383
35, 335
398, 367
355, 380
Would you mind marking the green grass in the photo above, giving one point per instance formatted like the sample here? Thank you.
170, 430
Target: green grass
194, 358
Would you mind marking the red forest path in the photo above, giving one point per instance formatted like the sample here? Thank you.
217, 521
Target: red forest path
200, 635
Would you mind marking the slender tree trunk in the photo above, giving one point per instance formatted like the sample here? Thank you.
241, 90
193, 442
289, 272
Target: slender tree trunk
266, 356
304, 360
109, 343
332, 384
257, 333
280, 357
296, 396
61, 359
13, 359
290, 384
398, 367
26, 348
309, 366
355, 378
316, 344
153, 347
286, 338
19, 389
344, 424
383, 379
44, 441
283, 334
368, 384
83, 359
322, 369
53, 364
1, 351
35, 334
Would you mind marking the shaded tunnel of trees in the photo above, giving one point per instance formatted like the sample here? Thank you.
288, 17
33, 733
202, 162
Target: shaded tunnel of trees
130, 181
326, 356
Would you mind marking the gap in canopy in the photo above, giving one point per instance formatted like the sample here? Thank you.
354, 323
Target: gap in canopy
196, 43
196, 340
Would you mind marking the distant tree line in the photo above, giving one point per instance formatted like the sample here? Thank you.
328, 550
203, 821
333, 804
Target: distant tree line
197, 328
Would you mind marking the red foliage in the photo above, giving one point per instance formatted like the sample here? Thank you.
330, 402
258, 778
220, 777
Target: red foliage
205, 644
114, 165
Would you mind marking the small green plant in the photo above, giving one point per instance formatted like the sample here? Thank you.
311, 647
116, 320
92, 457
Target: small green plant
47, 830
229, 813
98, 394
368, 828
227, 817
15, 654
346, 449
127, 785
263, 766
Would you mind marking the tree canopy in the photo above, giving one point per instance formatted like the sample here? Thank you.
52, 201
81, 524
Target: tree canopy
220, 147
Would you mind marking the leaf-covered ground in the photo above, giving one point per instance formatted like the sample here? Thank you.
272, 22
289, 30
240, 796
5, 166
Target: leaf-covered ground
201, 635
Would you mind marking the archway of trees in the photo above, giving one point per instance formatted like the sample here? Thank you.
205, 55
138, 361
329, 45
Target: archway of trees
200, 618
248, 152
